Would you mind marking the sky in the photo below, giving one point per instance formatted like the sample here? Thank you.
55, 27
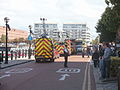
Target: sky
23, 13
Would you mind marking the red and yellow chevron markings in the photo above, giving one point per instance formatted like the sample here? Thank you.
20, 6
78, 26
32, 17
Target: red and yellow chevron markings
68, 42
44, 47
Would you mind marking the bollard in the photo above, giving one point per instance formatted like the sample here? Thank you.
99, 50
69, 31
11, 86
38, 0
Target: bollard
11, 55
2, 56
23, 53
29, 54
119, 78
15, 55
19, 53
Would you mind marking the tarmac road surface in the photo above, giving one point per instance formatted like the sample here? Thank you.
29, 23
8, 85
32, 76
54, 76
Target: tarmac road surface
49, 76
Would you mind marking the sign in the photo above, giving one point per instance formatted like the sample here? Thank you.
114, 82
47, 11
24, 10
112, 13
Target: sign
30, 37
68, 70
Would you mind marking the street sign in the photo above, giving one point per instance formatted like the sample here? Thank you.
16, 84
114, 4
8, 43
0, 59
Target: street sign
30, 37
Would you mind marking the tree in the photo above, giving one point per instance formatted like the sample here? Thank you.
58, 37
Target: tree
96, 41
109, 23
15, 40
21, 39
3, 38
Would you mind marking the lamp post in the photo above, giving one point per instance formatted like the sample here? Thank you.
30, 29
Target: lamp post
6, 19
29, 51
44, 30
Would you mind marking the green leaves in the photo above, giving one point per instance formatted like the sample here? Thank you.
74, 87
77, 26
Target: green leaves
109, 23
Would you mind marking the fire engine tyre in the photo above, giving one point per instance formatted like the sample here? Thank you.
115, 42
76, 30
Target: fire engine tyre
52, 60
37, 60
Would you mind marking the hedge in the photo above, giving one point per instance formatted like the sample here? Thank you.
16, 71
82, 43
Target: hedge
115, 63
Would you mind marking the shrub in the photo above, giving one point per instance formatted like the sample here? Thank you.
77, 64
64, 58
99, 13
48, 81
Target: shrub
115, 63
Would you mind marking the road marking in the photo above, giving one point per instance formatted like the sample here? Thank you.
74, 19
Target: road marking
68, 70
85, 77
64, 76
89, 81
7, 75
19, 70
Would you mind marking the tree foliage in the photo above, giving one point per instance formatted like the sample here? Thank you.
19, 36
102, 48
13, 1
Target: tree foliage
96, 41
109, 23
3, 38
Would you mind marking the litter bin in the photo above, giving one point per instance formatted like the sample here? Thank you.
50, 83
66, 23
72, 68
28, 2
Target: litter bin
118, 78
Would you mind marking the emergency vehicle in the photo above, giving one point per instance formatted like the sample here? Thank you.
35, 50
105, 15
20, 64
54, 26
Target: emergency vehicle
45, 50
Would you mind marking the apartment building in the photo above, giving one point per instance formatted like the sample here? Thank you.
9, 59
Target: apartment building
69, 31
50, 28
13, 33
77, 31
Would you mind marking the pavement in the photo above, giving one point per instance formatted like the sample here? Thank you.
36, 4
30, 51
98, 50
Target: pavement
110, 84
15, 62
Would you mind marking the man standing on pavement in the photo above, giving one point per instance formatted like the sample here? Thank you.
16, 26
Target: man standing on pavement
66, 54
106, 61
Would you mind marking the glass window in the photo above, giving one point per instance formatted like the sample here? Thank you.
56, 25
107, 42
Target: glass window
36, 25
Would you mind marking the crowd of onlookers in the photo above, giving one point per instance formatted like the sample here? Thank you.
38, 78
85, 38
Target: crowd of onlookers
101, 57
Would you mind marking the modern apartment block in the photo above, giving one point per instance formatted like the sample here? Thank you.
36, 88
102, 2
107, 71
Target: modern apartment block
69, 31
13, 33
51, 30
77, 31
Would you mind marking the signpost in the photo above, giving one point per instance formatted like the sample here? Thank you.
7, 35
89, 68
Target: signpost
29, 51
30, 38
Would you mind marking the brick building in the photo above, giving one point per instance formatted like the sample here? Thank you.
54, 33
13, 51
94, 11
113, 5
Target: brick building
13, 33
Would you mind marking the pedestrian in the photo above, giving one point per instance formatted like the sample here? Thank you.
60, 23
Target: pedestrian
101, 51
66, 54
88, 51
106, 62
95, 58
83, 52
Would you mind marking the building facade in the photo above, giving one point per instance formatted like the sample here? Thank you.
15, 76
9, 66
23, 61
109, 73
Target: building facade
50, 28
13, 33
69, 31
78, 31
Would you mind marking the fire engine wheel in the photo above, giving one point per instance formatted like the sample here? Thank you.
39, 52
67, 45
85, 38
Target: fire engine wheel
52, 60
37, 60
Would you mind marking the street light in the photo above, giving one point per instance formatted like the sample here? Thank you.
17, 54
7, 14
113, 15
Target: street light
29, 51
6, 19
44, 30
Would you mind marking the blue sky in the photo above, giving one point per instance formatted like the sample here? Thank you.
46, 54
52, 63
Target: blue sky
23, 13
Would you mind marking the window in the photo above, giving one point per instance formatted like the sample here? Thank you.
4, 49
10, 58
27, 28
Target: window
36, 25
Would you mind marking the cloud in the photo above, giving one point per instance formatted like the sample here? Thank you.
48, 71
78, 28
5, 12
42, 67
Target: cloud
25, 12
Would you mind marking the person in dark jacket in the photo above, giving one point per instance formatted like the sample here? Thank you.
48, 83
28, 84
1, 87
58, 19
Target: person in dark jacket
66, 54
95, 58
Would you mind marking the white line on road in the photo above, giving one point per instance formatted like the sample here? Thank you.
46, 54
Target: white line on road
7, 75
89, 81
64, 76
85, 77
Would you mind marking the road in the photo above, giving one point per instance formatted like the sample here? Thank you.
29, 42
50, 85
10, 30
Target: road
49, 76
